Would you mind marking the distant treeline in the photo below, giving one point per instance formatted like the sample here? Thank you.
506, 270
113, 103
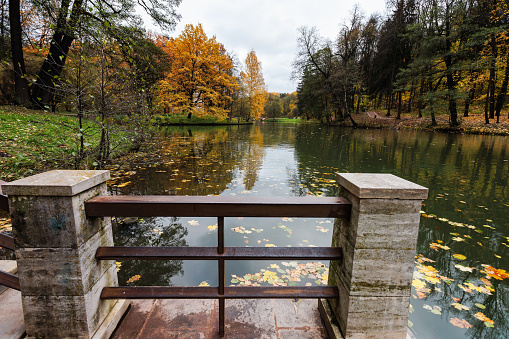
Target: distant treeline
429, 57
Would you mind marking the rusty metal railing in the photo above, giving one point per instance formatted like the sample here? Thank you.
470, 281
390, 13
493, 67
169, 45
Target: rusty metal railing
220, 207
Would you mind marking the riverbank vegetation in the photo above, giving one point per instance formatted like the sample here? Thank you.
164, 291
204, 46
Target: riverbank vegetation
184, 119
424, 58
33, 141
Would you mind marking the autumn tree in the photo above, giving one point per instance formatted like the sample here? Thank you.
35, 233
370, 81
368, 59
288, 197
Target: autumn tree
199, 79
253, 85
64, 17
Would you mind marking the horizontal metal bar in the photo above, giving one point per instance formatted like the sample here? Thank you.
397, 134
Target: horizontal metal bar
7, 242
210, 253
9, 280
232, 292
203, 206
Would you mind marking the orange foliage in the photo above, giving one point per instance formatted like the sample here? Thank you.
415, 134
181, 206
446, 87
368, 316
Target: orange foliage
199, 80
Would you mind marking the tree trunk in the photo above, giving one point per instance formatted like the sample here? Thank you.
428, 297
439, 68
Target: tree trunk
20, 82
469, 99
493, 43
398, 117
503, 91
389, 103
486, 106
42, 93
412, 93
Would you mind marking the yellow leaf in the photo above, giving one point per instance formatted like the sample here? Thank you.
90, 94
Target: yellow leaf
418, 284
459, 256
124, 184
460, 306
482, 317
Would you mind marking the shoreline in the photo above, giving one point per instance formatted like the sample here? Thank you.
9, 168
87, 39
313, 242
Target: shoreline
474, 124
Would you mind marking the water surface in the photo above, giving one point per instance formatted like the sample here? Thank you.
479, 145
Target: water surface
463, 234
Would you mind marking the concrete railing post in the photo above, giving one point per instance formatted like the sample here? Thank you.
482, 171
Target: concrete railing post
379, 242
61, 281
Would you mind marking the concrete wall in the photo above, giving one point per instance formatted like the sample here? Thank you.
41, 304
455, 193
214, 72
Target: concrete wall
379, 242
61, 281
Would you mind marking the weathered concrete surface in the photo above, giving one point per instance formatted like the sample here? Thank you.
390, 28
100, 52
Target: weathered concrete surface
56, 183
263, 318
378, 242
381, 185
11, 315
60, 278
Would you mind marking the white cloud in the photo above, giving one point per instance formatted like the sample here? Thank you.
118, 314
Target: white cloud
269, 28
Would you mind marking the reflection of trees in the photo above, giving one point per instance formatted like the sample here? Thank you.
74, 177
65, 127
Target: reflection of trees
467, 168
150, 232
202, 162
253, 159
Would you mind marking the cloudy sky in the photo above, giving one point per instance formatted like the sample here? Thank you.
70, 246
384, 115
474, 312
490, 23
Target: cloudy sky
269, 27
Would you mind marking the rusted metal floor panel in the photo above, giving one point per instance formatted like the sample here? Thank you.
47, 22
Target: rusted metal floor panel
267, 318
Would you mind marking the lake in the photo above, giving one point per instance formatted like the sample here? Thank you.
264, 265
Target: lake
460, 287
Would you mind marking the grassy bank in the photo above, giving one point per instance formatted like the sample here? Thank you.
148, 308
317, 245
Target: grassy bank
181, 119
284, 120
36, 141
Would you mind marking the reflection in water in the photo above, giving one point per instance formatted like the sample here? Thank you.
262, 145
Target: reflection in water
253, 159
466, 210
150, 232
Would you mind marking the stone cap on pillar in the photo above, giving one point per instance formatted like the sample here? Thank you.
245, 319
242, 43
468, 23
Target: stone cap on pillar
380, 186
59, 183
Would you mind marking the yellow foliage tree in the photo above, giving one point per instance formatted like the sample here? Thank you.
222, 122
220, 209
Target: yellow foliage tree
254, 85
199, 80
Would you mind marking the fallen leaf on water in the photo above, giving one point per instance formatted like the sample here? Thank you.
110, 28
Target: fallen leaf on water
270, 245
124, 184
203, 283
461, 323
435, 246
464, 268
459, 256
193, 222
460, 306
212, 227
498, 274
482, 317
134, 278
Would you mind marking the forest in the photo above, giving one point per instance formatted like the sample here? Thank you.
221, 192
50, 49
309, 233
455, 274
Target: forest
425, 57
95, 58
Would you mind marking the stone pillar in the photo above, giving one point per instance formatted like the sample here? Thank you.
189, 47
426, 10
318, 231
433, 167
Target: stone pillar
61, 281
379, 242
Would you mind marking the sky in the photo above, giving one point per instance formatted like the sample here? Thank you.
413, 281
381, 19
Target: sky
269, 27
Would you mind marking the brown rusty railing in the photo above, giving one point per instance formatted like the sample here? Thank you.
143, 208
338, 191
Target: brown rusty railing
7, 242
220, 207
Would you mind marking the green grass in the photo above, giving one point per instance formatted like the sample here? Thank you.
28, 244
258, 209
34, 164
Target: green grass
181, 119
284, 120
35, 141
